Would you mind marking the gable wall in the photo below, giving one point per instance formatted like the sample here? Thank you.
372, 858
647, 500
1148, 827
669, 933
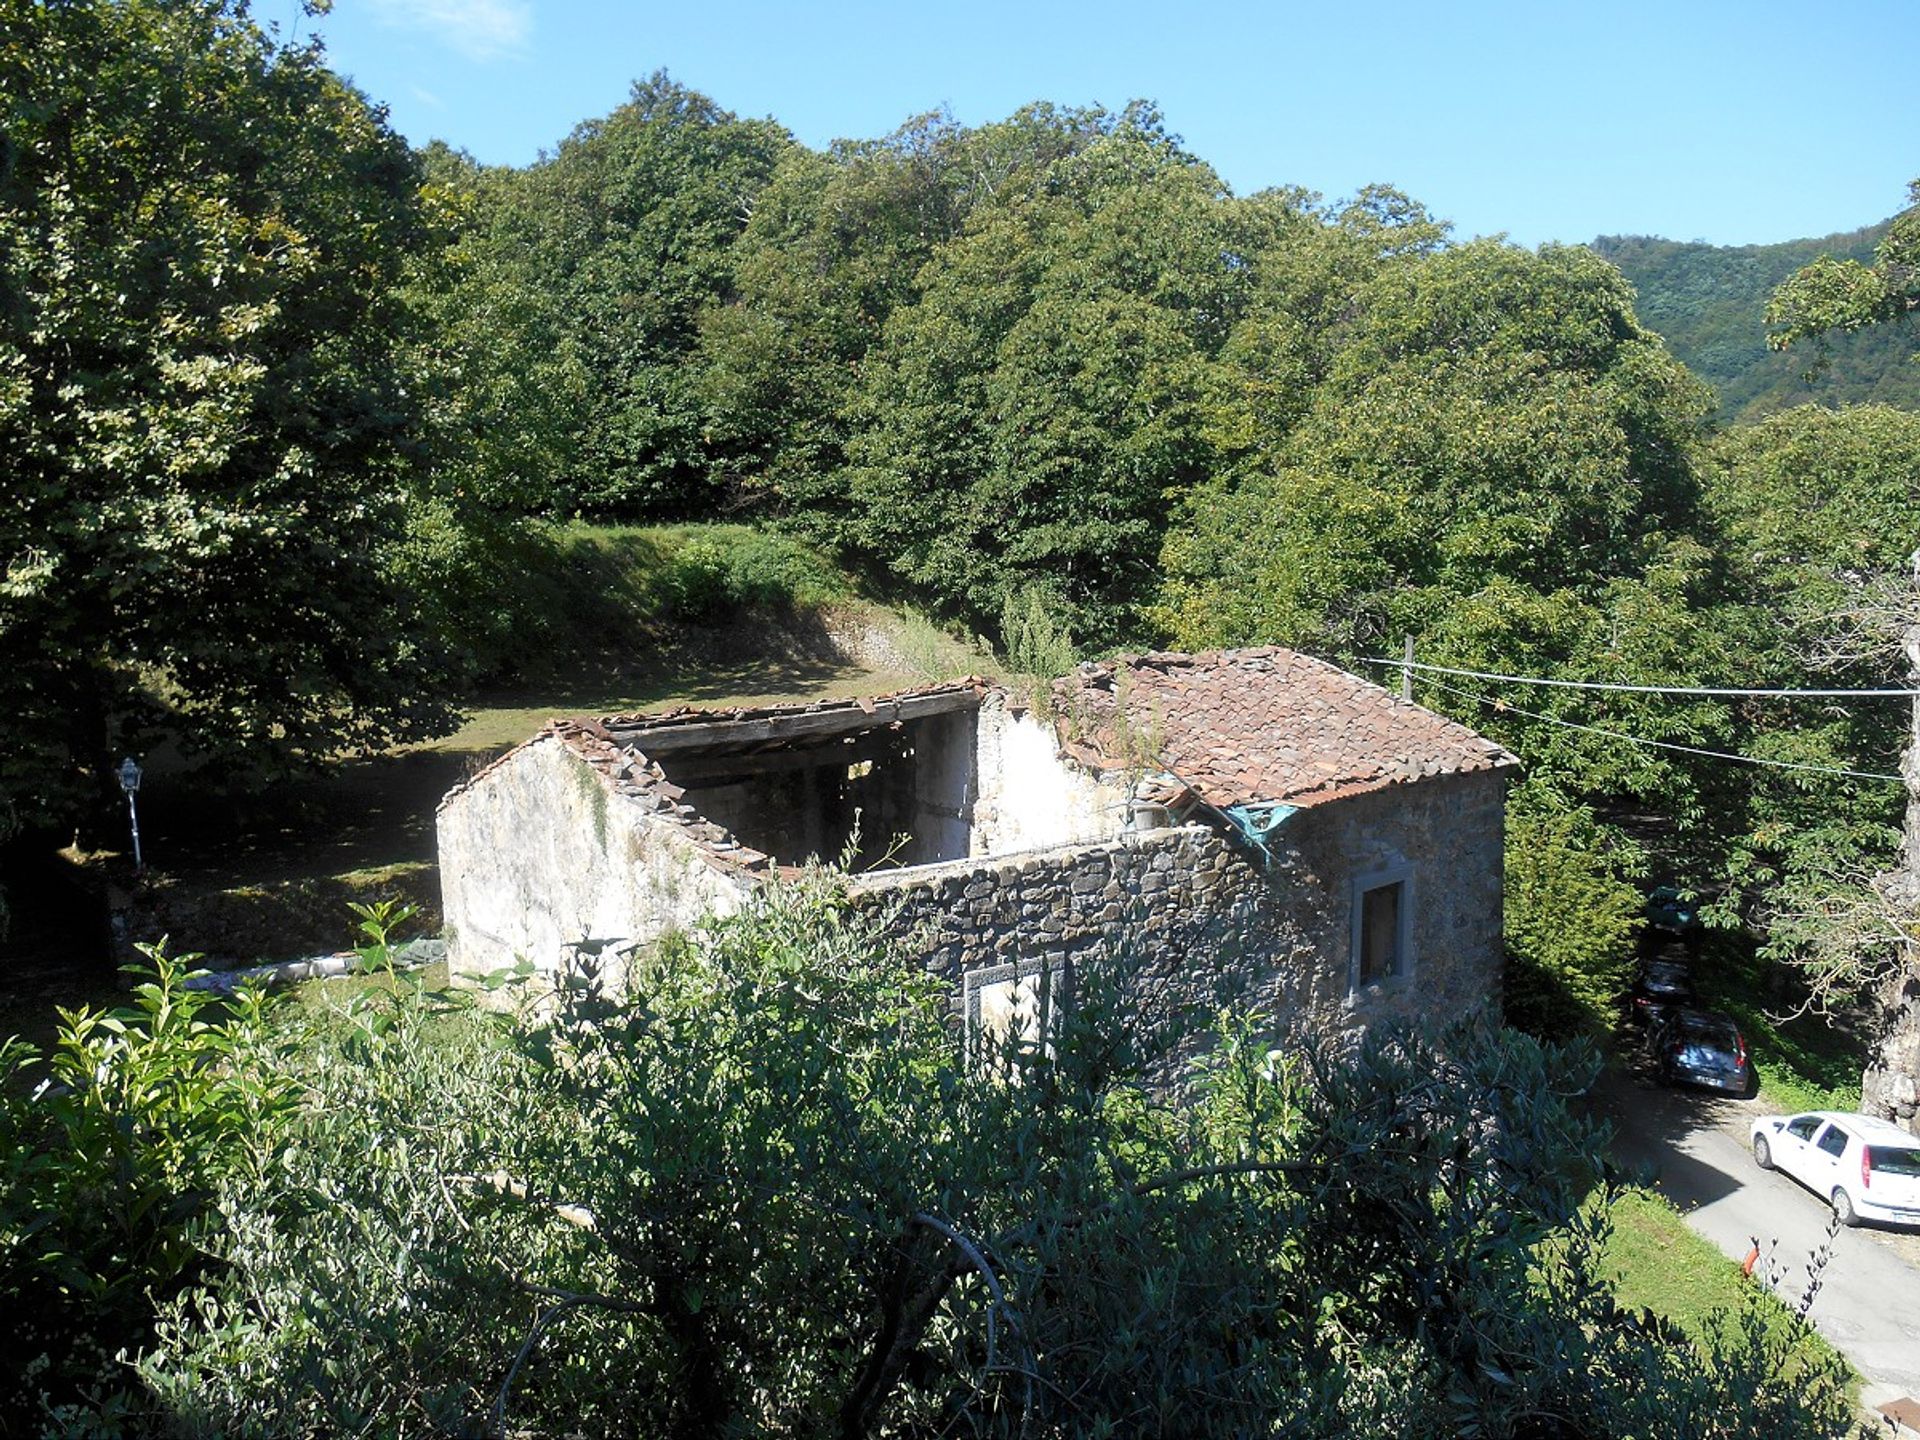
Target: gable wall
1028, 797
542, 851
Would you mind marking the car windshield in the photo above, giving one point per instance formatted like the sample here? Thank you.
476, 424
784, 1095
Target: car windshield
1711, 1032
1894, 1160
1666, 977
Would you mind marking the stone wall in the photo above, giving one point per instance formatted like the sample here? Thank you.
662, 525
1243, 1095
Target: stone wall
1028, 796
545, 850
1198, 919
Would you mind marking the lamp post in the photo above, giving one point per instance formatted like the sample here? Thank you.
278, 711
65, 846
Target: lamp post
130, 782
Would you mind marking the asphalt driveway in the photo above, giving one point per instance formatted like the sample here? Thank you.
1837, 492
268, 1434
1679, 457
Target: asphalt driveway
1693, 1146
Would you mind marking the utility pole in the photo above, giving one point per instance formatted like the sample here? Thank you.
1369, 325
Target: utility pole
1406, 673
1890, 1084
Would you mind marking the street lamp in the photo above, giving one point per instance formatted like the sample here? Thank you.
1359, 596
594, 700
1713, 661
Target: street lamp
130, 782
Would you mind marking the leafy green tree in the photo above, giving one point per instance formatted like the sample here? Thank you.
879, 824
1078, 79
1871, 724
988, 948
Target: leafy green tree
1027, 418
1498, 462
837, 243
1846, 295
1820, 510
1572, 912
206, 421
508, 380
1854, 933
621, 238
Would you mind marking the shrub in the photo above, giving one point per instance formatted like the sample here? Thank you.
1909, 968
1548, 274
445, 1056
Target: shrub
1571, 918
1037, 641
771, 1190
713, 571
111, 1148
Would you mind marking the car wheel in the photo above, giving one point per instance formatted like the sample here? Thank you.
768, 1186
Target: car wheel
1843, 1207
1762, 1152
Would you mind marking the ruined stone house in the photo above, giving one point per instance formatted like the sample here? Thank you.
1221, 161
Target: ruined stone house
1255, 809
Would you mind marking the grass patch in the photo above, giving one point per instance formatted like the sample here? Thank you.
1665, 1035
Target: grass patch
280, 917
1659, 1264
1663, 1266
1806, 1063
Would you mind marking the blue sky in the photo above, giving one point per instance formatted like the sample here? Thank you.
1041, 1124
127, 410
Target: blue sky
1736, 123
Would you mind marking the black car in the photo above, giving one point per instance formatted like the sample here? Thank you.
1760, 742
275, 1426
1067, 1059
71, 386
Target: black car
1664, 985
1703, 1047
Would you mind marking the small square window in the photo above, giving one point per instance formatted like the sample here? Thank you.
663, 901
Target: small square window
1382, 923
1019, 1002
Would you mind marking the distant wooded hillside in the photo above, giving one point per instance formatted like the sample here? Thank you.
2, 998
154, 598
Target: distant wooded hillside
1708, 301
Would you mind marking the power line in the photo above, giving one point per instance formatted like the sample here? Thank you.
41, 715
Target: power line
1649, 689
1664, 744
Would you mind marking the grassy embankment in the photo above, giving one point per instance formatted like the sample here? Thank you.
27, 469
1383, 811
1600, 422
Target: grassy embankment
1663, 1266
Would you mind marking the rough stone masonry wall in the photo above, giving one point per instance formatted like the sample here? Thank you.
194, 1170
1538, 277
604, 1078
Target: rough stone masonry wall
1199, 920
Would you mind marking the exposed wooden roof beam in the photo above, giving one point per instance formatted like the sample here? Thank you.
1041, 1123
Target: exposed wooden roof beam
674, 736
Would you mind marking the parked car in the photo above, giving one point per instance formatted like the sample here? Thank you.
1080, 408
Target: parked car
1703, 1047
1867, 1169
1663, 985
1669, 915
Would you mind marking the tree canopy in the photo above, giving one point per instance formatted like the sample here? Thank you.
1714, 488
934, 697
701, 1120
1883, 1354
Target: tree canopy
1845, 294
207, 428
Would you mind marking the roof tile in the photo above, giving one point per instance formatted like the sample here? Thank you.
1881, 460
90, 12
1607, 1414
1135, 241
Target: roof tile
1246, 726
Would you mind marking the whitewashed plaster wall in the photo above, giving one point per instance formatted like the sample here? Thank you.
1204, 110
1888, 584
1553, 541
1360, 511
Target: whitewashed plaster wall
542, 851
1029, 798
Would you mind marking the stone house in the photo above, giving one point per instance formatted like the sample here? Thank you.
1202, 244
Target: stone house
1250, 810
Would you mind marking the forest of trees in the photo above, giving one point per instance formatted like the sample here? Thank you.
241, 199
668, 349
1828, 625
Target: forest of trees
1709, 303
286, 406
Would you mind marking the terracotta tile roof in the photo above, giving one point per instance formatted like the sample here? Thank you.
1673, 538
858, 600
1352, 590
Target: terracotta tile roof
1243, 726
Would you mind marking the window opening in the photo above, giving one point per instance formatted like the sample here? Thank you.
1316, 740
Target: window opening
1382, 914
1019, 1003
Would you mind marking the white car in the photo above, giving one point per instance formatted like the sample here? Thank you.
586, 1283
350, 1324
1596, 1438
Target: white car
1866, 1169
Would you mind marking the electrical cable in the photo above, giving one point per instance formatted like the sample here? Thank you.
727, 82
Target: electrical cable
1664, 744
1649, 689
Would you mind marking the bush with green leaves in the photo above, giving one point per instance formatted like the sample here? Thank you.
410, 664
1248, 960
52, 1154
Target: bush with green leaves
112, 1147
1572, 916
775, 1188
711, 572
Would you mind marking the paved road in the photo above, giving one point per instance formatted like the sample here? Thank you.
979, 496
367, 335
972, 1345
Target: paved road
1694, 1145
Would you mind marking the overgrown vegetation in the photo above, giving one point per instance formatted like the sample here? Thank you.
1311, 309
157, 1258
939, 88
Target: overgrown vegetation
1572, 914
396, 1214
